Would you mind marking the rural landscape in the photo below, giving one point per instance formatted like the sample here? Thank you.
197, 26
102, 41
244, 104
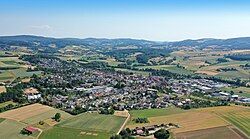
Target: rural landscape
133, 69
119, 93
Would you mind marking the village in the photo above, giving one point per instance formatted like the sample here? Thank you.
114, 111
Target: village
75, 88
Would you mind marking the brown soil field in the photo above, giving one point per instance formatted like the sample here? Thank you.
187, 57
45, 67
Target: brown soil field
26, 80
25, 112
121, 113
224, 132
2, 89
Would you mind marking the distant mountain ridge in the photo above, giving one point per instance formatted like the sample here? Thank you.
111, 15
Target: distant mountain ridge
36, 42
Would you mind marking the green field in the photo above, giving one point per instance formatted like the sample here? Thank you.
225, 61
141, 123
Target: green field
47, 115
7, 103
71, 133
1, 120
171, 68
155, 112
240, 120
11, 74
95, 122
11, 130
87, 125
245, 90
144, 73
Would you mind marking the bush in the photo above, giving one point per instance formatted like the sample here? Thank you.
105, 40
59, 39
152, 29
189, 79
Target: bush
41, 122
162, 134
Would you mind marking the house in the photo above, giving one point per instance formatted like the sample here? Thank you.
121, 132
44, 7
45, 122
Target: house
32, 93
246, 100
139, 131
30, 129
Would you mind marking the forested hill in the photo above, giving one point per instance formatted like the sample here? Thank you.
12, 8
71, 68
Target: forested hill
39, 42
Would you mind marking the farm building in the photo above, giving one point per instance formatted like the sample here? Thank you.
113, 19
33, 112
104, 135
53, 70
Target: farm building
32, 93
30, 129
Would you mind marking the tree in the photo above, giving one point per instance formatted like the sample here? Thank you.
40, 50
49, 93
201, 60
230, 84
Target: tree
161, 134
231, 92
57, 117
116, 137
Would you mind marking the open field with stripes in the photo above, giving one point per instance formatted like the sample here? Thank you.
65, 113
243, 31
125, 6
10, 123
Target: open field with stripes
193, 123
86, 125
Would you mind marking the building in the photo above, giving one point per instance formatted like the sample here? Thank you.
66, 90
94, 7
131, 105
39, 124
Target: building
32, 93
30, 129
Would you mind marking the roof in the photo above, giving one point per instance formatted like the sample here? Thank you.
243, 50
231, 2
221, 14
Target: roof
31, 90
31, 129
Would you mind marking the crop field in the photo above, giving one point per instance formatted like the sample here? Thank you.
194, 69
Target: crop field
155, 112
7, 103
72, 133
239, 118
32, 114
87, 125
95, 122
236, 115
188, 121
171, 68
133, 71
10, 129
223, 132
245, 90
11, 74
201, 119
205, 62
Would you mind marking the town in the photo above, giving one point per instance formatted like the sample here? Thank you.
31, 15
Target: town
76, 88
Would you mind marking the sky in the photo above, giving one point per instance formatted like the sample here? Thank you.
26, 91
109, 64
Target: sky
158, 20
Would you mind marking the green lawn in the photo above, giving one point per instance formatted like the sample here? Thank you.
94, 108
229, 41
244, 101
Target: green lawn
95, 122
71, 133
155, 112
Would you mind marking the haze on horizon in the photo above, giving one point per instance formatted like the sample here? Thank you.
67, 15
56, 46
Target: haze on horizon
158, 20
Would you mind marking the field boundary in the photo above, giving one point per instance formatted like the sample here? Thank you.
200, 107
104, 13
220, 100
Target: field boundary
125, 122
221, 117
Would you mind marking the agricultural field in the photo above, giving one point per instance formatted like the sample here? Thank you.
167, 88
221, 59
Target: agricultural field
204, 62
86, 125
171, 68
17, 119
216, 133
10, 129
95, 122
200, 120
72, 133
32, 114
236, 90
7, 103
144, 73
147, 113
15, 68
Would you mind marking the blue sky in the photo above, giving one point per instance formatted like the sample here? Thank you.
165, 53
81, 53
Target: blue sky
166, 20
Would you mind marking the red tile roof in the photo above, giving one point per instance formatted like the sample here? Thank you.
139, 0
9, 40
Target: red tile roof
31, 129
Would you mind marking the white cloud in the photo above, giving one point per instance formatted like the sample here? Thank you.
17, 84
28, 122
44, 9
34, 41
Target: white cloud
43, 27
